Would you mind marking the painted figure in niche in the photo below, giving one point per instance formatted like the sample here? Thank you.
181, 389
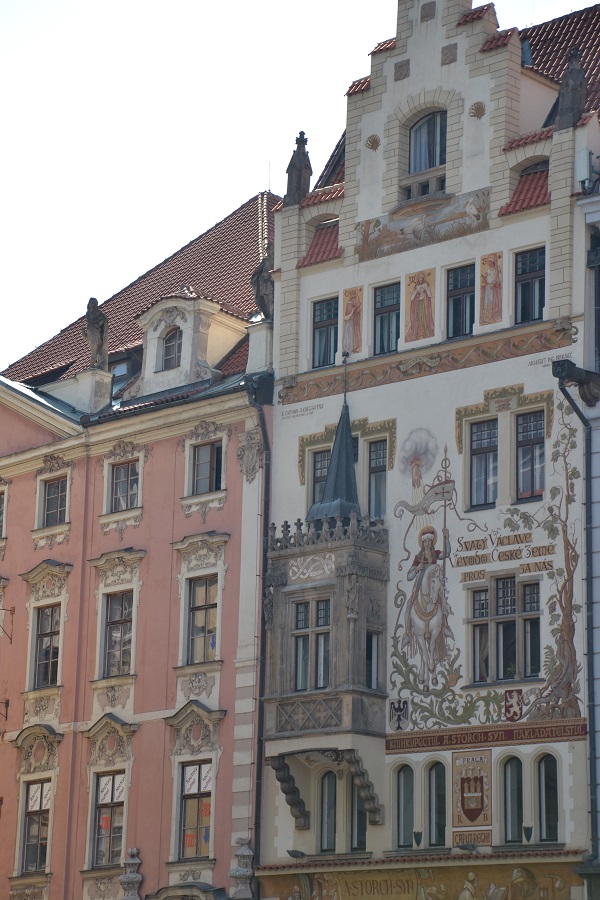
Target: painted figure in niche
427, 631
420, 323
352, 334
491, 289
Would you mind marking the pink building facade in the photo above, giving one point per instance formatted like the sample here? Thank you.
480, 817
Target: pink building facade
131, 546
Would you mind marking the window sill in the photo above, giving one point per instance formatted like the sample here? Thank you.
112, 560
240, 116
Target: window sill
202, 503
211, 665
415, 851
519, 500
180, 865
120, 520
33, 880
523, 845
113, 869
109, 680
52, 534
506, 682
480, 506
113, 691
345, 854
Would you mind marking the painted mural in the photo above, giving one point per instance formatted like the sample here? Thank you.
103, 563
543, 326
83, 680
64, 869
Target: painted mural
490, 308
474, 882
425, 221
420, 307
352, 332
441, 550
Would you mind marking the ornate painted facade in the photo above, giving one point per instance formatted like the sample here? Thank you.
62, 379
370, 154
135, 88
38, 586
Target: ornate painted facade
427, 707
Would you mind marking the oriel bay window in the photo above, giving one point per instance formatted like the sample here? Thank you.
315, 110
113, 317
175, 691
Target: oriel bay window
325, 332
311, 644
196, 801
37, 817
506, 632
108, 831
202, 623
484, 462
530, 455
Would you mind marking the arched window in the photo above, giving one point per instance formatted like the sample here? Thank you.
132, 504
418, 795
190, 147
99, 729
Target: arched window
359, 820
437, 805
172, 349
548, 798
513, 801
406, 806
328, 790
428, 142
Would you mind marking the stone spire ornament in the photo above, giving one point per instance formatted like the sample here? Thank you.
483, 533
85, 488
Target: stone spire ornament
572, 95
298, 173
130, 880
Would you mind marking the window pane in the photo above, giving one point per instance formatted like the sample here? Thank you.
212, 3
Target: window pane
513, 801
507, 650
548, 797
437, 805
359, 820
302, 662
328, 791
323, 660
480, 653
405, 806
532, 648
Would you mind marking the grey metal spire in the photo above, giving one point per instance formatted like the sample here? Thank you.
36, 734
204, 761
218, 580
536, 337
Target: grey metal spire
340, 494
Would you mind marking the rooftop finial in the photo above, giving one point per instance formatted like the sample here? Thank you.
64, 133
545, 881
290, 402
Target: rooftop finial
345, 356
298, 173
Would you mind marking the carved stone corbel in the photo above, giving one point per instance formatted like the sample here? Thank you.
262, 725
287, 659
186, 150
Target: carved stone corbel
290, 791
365, 787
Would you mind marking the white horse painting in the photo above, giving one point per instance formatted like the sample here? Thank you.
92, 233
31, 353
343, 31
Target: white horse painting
427, 629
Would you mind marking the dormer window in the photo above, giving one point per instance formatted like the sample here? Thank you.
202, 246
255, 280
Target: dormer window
427, 155
172, 349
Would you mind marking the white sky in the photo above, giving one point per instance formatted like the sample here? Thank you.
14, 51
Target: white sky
129, 127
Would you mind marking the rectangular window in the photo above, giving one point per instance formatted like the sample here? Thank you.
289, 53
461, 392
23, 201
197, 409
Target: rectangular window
119, 612
372, 660
47, 646
530, 280
461, 301
506, 636
484, 463
530, 455
387, 318
377, 478
109, 814
124, 486
207, 466
37, 816
196, 790
321, 460
2, 504
55, 502
311, 640
203, 597
359, 820
325, 332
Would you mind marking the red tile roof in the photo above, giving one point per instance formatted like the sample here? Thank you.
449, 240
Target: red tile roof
500, 39
360, 85
323, 247
552, 41
474, 14
220, 263
531, 191
382, 46
235, 361
532, 138
323, 194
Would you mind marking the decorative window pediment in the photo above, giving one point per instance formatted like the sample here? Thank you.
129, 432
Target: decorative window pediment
111, 740
48, 580
118, 567
201, 551
196, 728
39, 748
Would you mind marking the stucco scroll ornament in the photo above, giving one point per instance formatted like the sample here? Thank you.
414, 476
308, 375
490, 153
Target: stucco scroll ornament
197, 684
312, 566
195, 735
250, 453
169, 316
202, 555
203, 507
206, 431
51, 586
54, 463
111, 747
119, 571
125, 450
27, 893
105, 888
39, 754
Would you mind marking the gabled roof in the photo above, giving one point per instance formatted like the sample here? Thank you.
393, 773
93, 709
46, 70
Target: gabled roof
219, 263
552, 41
323, 247
474, 14
531, 191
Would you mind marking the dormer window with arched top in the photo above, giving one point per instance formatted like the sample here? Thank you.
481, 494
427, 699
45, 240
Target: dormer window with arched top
172, 349
427, 155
